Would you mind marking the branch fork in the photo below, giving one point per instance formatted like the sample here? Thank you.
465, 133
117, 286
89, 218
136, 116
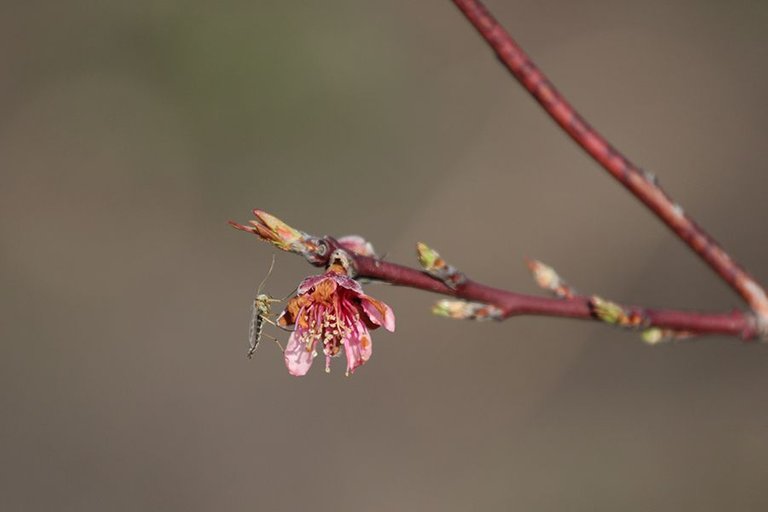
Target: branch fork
640, 183
472, 300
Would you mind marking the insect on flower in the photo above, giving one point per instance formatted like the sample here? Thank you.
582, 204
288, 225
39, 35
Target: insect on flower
261, 311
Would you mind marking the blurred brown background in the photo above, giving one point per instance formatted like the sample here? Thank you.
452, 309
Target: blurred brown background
130, 133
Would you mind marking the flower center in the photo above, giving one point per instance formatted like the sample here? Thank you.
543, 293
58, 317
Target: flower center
324, 291
327, 324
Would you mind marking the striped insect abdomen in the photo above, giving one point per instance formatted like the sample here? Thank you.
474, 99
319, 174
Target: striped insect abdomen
259, 309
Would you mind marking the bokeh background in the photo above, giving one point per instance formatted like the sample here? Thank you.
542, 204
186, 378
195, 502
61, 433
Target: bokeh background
131, 131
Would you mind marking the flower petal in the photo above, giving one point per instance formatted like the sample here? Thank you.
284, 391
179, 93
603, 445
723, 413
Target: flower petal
358, 347
378, 312
347, 282
357, 245
309, 283
297, 358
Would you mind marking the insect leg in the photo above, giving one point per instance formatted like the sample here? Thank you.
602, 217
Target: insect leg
276, 341
269, 320
283, 299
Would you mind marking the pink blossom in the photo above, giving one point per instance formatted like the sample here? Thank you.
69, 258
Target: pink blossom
332, 309
357, 245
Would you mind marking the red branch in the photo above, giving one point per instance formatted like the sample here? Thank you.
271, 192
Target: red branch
747, 326
736, 323
640, 184
322, 252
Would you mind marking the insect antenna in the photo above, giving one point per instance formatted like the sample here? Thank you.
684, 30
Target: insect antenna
269, 272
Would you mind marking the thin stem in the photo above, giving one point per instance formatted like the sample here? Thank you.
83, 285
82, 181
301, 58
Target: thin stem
323, 252
640, 184
735, 323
